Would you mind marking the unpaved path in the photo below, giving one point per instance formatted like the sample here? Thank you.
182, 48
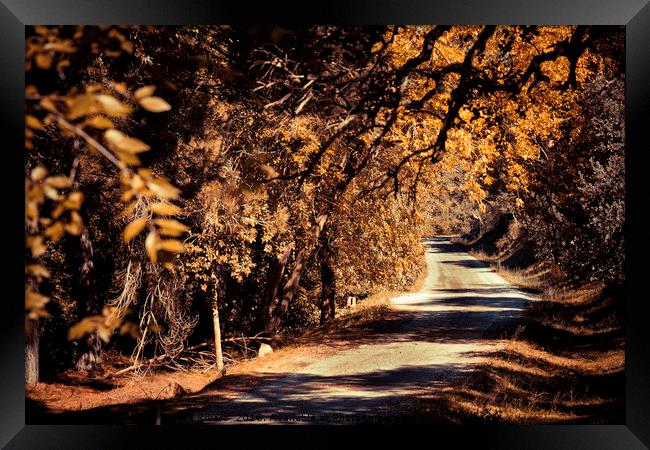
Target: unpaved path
457, 315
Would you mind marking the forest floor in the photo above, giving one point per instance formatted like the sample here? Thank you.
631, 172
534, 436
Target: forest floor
452, 352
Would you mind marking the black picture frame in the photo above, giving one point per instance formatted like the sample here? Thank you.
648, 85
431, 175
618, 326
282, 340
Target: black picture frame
633, 14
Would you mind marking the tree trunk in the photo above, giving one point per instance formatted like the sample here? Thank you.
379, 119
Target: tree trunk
270, 297
215, 322
288, 291
328, 286
32, 338
291, 285
90, 358
91, 346
328, 293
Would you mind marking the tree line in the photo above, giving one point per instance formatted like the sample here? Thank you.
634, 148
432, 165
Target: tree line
194, 181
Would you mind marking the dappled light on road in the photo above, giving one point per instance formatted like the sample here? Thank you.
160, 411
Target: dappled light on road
442, 333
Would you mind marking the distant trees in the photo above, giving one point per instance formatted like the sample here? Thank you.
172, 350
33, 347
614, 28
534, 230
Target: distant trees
305, 163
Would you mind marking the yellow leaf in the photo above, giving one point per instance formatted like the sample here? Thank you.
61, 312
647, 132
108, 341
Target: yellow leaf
31, 210
134, 228
165, 209
376, 47
104, 333
81, 105
170, 232
55, 231
127, 46
145, 91
172, 245
119, 87
76, 224
58, 182
48, 104
128, 158
74, 200
51, 192
131, 328
34, 300
171, 223
112, 106
100, 122
125, 143
128, 210
163, 188
36, 245
151, 244
38, 173
94, 87
60, 208
145, 173
86, 326
60, 46
33, 122
42, 30
43, 60
36, 194
37, 271
154, 104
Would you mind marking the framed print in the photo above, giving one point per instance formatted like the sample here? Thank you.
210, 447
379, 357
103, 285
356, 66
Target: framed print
355, 216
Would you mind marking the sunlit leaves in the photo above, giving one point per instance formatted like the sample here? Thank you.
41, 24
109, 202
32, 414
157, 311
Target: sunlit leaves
86, 104
134, 228
36, 246
172, 245
35, 303
144, 97
123, 143
152, 245
38, 173
154, 104
37, 271
93, 113
111, 106
75, 225
171, 224
105, 325
33, 122
100, 122
165, 209
163, 188
143, 92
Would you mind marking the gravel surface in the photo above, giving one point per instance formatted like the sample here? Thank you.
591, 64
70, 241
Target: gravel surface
459, 314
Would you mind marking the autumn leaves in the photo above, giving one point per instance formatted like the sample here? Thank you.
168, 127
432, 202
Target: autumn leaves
94, 115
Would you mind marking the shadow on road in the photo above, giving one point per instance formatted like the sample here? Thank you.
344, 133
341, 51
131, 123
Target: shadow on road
451, 391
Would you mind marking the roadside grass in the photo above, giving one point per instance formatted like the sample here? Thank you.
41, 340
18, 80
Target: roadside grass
564, 363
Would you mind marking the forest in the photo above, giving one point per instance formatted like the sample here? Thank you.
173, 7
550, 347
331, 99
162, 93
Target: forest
219, 188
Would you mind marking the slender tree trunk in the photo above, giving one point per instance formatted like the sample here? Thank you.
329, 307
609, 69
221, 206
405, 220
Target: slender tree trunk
288, 291
216, 323
328, 293
270, 297
291, 285
32, 339
328, 282
91, 346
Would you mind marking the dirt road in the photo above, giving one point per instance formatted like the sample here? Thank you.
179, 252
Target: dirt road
459, 314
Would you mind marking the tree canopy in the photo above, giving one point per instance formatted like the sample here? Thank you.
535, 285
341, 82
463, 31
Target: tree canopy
266, 172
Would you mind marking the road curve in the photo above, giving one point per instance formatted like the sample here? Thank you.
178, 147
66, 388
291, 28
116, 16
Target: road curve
458, 314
